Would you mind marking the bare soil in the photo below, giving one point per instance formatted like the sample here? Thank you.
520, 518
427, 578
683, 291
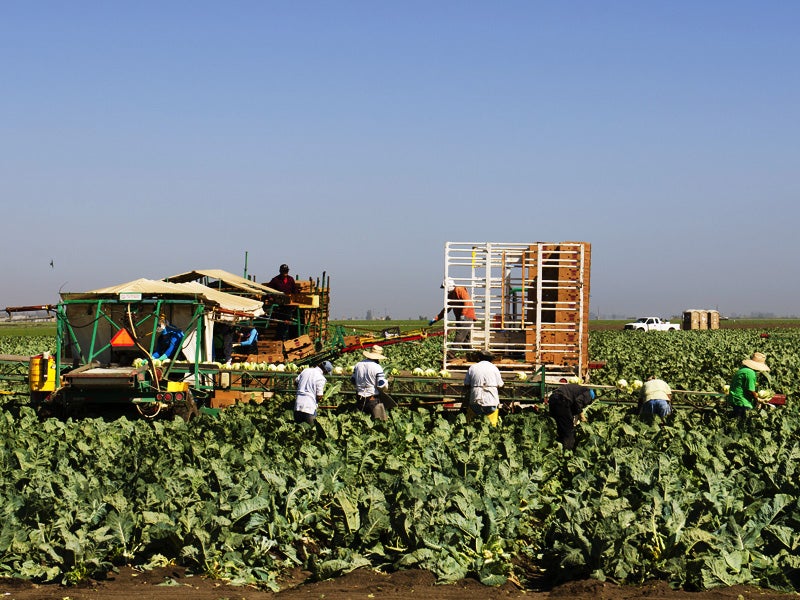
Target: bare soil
172, 583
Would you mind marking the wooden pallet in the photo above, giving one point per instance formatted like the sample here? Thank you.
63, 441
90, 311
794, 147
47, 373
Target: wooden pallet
272, 358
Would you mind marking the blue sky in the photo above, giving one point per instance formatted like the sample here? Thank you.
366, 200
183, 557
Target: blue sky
144, 139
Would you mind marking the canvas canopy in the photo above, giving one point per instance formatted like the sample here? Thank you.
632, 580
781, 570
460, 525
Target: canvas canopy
152, 287
229, 279
197, 344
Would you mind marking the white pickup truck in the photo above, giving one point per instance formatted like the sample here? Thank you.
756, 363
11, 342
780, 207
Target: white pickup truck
652, 324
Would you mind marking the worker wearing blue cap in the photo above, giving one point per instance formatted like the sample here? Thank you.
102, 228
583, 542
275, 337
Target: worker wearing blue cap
566, 407
310, 390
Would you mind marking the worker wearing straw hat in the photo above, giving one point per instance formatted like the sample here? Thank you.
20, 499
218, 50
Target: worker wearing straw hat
369, 379
743, 395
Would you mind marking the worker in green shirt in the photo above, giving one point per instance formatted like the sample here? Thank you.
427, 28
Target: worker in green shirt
743, 395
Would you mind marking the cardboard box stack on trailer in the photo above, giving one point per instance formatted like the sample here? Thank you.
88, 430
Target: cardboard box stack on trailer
298, 348
564, 290
269, 351
700, 319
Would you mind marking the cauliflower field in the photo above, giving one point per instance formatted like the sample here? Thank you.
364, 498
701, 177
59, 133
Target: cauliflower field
700, 501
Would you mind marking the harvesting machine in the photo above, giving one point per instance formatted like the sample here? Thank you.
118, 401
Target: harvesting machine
531, 304
106, 338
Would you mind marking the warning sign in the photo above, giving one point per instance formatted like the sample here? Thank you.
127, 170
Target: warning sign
122, 339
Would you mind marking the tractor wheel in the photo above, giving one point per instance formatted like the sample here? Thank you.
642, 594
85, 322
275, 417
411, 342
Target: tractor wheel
50, 405
187, 409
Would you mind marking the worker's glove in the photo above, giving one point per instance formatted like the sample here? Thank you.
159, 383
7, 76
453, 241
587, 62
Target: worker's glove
431, 322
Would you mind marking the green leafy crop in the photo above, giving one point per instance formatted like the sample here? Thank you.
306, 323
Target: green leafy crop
699, 500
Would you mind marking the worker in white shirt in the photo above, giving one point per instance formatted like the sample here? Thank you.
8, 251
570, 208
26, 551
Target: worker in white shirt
481, 381
369, 379
310, 389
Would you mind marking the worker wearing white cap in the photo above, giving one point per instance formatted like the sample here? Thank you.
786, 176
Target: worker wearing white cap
459, 301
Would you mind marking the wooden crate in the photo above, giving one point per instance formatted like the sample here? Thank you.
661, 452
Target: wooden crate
305, 300
559, 359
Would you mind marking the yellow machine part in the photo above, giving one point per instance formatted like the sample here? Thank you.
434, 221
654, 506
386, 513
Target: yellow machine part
177, 386
42, 374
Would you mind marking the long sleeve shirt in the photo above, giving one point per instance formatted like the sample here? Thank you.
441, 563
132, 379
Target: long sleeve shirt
251, 338
460, 303
283, 283
575, 396
168, 342
743, 386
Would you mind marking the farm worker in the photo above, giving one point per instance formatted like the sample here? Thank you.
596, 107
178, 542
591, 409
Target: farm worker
369, 379
482, 380
310, 387
282, 314
283, 282
566, 407
223, 334
169, 339
743, 395
654, 397
247, 345
459, 301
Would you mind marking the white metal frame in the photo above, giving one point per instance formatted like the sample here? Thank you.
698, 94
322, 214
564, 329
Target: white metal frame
518, 300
